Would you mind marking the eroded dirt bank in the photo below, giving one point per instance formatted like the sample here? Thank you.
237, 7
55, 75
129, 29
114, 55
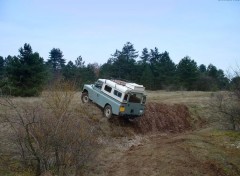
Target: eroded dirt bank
161, 117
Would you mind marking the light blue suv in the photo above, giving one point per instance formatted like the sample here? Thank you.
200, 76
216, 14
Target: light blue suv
116, 97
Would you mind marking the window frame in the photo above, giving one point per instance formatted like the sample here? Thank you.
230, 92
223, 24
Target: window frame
117, 93
109, 89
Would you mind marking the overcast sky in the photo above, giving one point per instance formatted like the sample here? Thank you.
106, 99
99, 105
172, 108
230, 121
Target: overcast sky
206, 30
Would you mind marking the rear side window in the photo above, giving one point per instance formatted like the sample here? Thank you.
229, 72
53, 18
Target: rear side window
125, 98
118, 94
108, 89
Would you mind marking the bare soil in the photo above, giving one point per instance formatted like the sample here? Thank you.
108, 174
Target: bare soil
161, 117
172, 138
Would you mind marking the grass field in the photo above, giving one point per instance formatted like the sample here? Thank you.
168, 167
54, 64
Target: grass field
208, 148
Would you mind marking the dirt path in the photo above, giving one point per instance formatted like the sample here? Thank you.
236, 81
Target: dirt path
175, 149
183, 154
160, 155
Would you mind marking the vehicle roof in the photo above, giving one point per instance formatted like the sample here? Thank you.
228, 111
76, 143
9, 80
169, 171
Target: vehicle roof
124, 86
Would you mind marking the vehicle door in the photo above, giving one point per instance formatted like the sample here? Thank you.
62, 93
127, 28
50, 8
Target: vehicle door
135, 103
97, 91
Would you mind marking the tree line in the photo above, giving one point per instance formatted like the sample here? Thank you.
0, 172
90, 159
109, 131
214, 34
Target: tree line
27, 74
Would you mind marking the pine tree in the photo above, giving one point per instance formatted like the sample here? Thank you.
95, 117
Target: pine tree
166, 69
2, 63
145, 56
188, 74
26, 73
56, 62
147, 78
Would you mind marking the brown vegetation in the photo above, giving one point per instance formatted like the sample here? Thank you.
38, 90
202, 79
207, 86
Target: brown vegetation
49, 135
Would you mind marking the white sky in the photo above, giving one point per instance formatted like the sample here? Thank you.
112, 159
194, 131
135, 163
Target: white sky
205, 30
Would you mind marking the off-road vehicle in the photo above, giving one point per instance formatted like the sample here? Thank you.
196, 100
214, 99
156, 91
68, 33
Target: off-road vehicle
116, 97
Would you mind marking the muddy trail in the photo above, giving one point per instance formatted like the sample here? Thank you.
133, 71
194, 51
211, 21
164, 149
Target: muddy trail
168, 155
165, 141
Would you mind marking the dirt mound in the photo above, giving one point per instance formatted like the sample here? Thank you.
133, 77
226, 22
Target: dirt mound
165, 118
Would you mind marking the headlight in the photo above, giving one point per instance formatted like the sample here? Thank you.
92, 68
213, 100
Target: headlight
141, 111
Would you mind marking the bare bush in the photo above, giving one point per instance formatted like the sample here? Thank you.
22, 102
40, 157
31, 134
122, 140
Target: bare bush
47, 135
228, 103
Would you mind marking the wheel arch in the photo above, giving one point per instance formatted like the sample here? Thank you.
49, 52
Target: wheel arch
85, 91
107, 104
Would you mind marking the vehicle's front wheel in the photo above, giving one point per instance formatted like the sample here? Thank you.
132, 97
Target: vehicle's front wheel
84, 97
107, 111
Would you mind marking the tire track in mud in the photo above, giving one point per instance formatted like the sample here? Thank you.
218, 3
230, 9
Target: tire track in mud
162, 155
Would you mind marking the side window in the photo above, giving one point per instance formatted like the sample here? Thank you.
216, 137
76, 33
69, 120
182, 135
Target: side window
118, 94
125, 98
108, 89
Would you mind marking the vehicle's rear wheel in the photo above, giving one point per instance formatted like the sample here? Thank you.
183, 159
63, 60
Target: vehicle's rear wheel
84, 97
108, 111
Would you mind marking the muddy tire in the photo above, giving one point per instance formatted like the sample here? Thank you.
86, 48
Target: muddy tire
84, 97
107, 111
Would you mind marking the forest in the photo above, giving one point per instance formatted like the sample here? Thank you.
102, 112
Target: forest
28, 73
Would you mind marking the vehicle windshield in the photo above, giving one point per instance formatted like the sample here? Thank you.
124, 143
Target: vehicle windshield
98, 84
135, 98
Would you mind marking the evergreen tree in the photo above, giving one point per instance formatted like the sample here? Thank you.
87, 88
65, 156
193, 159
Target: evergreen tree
2, 64
2, 75
218, 78
70, 71
166, 69
202, 68
188, 74
129, 52
154, 56
8, 60
235, 84
145, 56
147, 78
122, 63
222, 81
89, 73
79, 73
56, 62
212, 71
26, 73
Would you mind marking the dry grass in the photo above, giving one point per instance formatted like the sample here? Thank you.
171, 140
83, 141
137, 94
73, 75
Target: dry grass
186, 97
206, 150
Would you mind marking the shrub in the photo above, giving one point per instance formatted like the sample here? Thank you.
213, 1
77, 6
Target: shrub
47, 135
